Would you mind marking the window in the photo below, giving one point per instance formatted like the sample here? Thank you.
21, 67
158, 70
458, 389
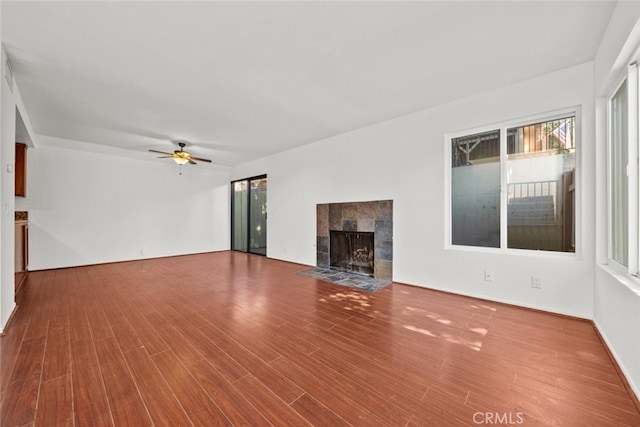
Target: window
514, 187
623, 182
541, 166
475, 190
619, 181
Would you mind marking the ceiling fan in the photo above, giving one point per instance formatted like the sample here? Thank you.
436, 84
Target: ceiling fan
180, 156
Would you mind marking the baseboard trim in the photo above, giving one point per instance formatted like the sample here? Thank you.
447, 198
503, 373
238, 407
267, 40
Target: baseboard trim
128, 260
568, 315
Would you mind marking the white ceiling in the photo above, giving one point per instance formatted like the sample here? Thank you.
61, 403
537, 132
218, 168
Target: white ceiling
241, 80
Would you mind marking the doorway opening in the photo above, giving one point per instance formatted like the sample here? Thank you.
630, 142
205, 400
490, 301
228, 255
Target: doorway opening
249, 215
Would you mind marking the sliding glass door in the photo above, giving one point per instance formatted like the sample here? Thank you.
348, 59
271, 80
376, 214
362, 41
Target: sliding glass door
239, 219
249, 215
258, 215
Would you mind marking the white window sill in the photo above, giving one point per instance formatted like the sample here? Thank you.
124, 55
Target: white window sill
512, 251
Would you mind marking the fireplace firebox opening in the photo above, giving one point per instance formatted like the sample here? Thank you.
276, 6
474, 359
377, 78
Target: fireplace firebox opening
351, 251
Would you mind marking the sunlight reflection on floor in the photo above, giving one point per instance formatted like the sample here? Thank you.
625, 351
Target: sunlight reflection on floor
474, 343
358, 301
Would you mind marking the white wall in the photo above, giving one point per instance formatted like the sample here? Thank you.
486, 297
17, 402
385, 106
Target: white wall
89, 207
403, 159
7, 183
617, 45
617, 316
10, 100
617, 296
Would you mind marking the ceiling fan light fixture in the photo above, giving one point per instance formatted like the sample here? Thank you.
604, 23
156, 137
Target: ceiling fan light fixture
181, 160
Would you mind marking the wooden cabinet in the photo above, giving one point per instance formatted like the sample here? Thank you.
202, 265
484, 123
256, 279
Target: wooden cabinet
21, 170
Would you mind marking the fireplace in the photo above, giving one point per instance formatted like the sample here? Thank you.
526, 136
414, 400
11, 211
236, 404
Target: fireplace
372, 221
351, 251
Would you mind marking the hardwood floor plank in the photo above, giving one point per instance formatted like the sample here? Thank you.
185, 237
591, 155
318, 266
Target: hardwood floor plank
10, 346
89, 397
187, 311
57, 359
231, 369
389, 388
270, 406
430, 414
316, 413
99, 323
327, 343
250, 337
412, 367
378, 373
279, 385
160, 313
124, 334
130, 413
124, 399
286, 342
59, 319
295, 315
179, 345
39, 324
29, 361
616, 396
19, 403
230, 400
578, 407
196, 403
81, 331
367, 395
55, 406
147, 334
343, 405
156, 394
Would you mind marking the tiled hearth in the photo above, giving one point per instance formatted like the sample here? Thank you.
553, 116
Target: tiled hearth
375, 216
347, 279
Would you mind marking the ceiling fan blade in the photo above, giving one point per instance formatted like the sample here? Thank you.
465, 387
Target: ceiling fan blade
201, 159
164, 157
192, 162
161, 152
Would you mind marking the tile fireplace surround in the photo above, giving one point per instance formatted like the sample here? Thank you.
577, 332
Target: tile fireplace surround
376, 217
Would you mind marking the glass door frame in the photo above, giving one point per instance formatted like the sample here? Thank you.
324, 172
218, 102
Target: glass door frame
248, 220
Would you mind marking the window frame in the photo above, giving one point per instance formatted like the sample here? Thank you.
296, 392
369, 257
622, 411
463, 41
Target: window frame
503, 126
610, 158
631, 76
232, 221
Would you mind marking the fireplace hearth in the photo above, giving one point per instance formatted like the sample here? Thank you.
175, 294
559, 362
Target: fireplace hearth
352, 252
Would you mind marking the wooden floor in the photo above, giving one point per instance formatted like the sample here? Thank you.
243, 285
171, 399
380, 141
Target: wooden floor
234, 339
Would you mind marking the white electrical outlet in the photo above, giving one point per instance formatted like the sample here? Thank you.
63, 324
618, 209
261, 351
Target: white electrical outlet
536, 282
488, 276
